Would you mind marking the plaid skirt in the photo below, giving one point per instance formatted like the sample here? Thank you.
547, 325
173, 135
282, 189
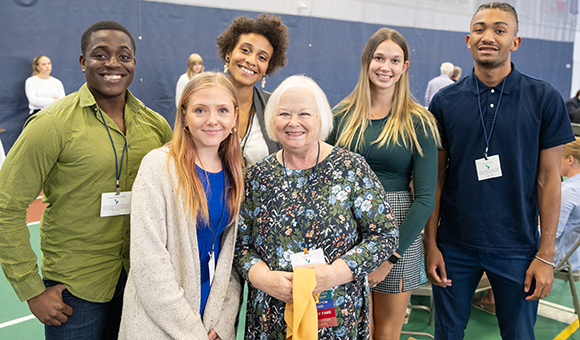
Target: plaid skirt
409, 266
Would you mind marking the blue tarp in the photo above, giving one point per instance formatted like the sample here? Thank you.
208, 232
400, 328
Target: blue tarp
329, 51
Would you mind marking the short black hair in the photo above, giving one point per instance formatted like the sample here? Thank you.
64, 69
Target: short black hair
101, 26
502, 6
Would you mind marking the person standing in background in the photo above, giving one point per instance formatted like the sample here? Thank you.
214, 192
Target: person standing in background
572, 105
456, 73
439, 82
194, 66
41, 88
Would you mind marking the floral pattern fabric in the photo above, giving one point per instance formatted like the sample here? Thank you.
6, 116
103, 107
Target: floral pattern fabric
347, 216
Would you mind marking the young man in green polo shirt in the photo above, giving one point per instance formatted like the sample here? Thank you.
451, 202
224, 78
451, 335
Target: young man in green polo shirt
83, 152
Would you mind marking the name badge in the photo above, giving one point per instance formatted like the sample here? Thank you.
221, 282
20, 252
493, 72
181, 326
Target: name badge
211, 265
115, 205
325, 305
488, 168
314, 256
325, 309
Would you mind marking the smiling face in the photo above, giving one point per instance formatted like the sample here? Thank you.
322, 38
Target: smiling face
108, 64
387, 66
210, 116
492, 38
297, 122
44, 67
249, 60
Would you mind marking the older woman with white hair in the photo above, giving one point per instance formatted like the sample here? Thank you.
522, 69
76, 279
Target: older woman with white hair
316, 198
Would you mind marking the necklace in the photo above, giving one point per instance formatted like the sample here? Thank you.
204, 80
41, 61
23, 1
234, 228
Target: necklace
301, 225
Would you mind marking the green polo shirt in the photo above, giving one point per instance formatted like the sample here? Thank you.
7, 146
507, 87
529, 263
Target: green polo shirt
65, 151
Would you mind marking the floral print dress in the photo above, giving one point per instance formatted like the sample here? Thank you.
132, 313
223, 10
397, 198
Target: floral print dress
347, 216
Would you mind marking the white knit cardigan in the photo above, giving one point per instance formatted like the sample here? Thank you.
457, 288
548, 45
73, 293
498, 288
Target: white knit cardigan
162, 296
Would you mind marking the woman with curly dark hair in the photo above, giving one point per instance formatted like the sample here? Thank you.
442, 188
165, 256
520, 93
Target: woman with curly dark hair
251, 50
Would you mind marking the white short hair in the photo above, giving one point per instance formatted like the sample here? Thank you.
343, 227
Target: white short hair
324, 112
446, 68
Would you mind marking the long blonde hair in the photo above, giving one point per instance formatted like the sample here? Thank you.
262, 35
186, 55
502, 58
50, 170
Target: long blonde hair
183, 151
399, 127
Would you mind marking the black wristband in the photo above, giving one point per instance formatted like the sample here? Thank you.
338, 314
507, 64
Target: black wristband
393, 258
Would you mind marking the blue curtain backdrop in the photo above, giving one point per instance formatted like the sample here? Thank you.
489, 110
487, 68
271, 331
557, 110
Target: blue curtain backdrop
329, 51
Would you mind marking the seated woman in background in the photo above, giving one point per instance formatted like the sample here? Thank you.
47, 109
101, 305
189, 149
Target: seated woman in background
42, 89
186, 198
310, 195
568, 232
194, 66
569, 224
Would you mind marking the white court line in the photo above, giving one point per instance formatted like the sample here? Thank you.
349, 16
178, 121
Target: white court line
556, 312
22, 319
557, 306
16, 321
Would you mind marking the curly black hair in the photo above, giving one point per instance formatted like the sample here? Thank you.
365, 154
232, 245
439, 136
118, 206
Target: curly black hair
268, 25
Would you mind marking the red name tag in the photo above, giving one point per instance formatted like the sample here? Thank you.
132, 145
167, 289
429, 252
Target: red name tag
326, 313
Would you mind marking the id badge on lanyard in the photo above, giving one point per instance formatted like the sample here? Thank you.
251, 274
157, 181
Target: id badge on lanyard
113, 204
488, 168
325, 305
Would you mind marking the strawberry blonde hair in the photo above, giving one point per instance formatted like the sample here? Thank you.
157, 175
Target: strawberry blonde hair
183, 151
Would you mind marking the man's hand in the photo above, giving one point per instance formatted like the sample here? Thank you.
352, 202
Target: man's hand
544, 275
49, 308
433, 262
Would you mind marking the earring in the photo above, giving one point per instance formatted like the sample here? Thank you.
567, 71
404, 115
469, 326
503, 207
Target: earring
263, 81
234, 129
227, 66
186, 129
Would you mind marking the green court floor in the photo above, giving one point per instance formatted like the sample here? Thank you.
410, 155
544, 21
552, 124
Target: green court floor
482, 326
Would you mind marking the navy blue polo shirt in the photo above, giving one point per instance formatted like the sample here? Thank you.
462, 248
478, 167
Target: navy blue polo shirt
498, 215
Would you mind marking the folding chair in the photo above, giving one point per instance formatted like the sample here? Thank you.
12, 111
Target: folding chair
576, 129
563, 271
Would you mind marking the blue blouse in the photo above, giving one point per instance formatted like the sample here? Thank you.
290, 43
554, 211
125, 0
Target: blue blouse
206, 236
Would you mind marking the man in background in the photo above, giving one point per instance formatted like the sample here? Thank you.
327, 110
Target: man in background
439, 82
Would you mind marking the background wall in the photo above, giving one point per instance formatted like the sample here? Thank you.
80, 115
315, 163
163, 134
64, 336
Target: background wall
326, 41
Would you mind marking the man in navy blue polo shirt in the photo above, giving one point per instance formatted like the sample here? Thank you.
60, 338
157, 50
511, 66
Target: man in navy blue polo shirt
499, 169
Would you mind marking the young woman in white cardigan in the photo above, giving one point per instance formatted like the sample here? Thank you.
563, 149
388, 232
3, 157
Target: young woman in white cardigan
186, 198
